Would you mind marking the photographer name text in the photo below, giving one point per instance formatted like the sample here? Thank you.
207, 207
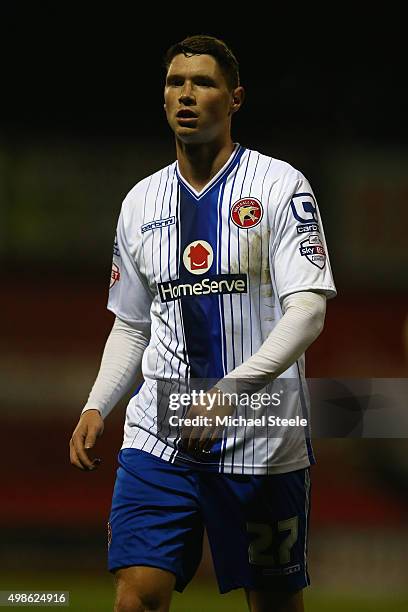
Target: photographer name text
237, 421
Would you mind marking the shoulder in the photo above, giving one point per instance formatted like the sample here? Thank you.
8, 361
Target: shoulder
136, 197
276, 170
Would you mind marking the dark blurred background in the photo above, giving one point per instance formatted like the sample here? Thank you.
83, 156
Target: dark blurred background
82, 122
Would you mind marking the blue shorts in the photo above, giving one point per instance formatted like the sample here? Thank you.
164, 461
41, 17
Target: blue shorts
256, 525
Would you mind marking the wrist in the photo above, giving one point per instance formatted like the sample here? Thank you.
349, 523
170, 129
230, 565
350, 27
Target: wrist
93, 409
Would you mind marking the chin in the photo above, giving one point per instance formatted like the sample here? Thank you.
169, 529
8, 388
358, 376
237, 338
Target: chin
192, 136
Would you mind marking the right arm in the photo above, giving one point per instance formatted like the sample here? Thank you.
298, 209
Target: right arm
120, 365
130, 300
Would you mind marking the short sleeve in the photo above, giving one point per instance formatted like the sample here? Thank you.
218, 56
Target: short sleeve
299, 259
129, 297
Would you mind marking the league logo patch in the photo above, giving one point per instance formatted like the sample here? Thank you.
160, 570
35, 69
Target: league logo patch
115, 275
246, 213
313, 250
198, 257
315, 239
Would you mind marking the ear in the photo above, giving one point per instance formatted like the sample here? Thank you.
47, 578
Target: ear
237, 99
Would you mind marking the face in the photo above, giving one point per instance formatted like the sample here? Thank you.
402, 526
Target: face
198, 103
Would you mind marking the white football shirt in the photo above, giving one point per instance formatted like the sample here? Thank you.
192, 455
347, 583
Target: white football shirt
208, 270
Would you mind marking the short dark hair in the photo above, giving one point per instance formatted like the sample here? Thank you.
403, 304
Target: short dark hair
201, 44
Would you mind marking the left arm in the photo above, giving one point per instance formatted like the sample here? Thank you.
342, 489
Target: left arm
301, 324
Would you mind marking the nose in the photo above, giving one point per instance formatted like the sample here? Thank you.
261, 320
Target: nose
187, 95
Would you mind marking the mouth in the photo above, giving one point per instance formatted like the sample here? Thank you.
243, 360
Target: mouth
186, 113
186, 117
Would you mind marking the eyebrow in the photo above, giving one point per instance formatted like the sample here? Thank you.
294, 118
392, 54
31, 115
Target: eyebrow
195, 76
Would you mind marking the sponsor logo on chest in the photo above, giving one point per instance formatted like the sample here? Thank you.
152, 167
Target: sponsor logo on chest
217, 284
198, 257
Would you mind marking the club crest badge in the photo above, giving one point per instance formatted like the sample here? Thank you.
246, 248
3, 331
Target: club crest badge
246, 213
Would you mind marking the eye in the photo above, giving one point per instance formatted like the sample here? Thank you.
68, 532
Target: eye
174, 82
204, 82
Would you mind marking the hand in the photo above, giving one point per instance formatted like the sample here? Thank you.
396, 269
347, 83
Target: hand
201, 438
89, 428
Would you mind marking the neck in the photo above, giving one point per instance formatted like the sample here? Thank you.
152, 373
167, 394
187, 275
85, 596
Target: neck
198, 163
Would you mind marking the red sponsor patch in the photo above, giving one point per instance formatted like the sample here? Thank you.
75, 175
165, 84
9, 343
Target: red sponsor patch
246, 212
198, 257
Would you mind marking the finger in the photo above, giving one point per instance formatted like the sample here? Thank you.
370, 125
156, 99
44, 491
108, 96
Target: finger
193, 439
91, 438
205, 437
74, 457
191, 442
77, 463
206, 444
186, 433
78, 442
212, 439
